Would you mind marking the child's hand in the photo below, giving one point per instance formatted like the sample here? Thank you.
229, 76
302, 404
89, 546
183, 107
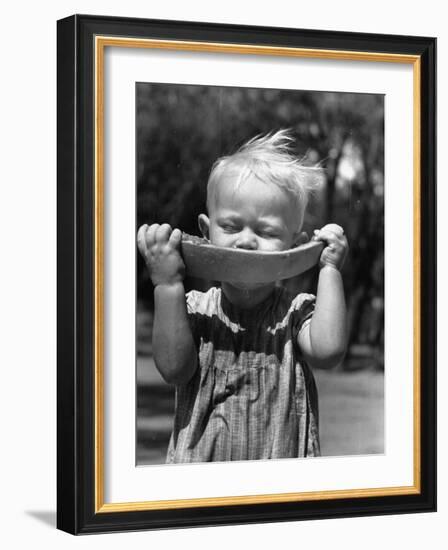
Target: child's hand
159, 246
337, 246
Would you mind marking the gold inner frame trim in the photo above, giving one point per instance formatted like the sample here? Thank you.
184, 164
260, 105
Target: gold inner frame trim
101, 42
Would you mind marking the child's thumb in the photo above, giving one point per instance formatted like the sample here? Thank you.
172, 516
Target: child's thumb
302, 238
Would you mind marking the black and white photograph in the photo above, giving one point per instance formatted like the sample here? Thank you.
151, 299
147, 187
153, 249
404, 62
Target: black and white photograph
260, 273
222, 237
244, 330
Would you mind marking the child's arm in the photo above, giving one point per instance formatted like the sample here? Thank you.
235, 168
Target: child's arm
323, 340
174, 349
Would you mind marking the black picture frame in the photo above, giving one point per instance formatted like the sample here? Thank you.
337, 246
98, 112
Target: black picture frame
79, 504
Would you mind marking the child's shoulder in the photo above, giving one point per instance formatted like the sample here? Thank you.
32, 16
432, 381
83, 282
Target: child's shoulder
296, 301
297, 306
296, 309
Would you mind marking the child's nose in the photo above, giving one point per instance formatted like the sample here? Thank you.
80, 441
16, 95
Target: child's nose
247, 240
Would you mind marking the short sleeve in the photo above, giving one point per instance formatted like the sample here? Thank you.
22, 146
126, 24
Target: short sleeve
193, 300
302, 309
201, 307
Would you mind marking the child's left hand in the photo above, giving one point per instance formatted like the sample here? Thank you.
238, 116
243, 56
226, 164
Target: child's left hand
335, 252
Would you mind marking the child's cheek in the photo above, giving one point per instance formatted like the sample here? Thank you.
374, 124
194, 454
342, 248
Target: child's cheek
271, 246
218, 237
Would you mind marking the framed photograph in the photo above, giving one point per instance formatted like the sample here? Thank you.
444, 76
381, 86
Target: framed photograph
246, 274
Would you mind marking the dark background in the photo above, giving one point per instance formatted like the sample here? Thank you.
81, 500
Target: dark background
181, 131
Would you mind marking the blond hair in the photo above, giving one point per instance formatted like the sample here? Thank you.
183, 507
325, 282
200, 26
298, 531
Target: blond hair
271, 159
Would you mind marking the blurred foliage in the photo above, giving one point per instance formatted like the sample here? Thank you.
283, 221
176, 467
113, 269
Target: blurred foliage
182, 130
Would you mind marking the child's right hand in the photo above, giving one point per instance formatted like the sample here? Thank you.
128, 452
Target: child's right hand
160, 247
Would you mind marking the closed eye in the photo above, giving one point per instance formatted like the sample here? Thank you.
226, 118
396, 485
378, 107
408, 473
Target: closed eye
230, 227
269, 233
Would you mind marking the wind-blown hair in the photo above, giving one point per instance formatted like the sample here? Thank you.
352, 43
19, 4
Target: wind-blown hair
271, 159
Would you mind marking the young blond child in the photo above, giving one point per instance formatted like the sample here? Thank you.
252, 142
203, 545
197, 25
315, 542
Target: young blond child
240, 355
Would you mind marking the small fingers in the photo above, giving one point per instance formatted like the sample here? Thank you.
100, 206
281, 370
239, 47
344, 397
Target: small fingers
175, 238
302, 238
150, 236
329, 233
334, 228
336, 243
163, 233
141, 239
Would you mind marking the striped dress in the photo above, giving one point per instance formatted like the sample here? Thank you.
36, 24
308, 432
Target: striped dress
252, 396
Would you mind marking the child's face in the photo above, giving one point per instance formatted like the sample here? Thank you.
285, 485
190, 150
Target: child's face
252, 215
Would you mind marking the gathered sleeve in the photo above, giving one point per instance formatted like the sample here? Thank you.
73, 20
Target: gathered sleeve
302, 309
